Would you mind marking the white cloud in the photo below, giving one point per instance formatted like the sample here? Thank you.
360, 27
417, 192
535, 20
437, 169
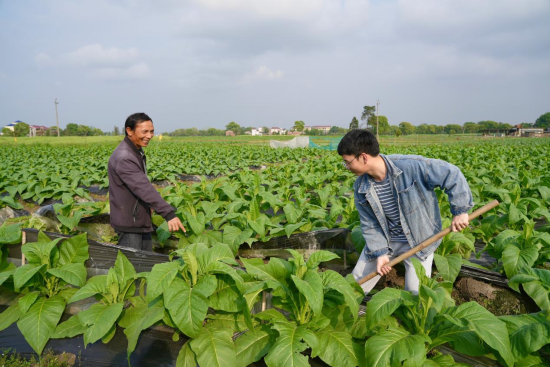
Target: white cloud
137, 71
43, 59
97, 56
263, 73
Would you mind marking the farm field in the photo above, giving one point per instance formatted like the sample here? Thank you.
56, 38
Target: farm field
242, 193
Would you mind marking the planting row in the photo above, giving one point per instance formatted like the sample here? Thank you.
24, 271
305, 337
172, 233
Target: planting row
315, 312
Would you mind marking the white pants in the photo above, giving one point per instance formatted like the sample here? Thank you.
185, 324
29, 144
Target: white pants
364, 267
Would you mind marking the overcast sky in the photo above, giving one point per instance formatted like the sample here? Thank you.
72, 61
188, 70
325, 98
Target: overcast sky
204, 63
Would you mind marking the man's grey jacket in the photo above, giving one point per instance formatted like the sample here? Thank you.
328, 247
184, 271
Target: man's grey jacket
413, 179
131, 194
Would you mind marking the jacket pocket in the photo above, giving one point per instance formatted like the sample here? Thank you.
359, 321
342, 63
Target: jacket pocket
411, 198
135, 211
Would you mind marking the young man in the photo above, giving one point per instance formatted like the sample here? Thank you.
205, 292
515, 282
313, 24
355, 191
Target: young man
131, 194
397, 205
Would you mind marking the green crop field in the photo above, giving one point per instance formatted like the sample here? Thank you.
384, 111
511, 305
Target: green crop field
247, 193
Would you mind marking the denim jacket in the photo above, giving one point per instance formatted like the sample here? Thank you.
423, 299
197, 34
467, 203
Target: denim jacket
414, 179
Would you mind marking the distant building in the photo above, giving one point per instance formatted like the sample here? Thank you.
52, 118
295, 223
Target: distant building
229, 133
38, 130
323, 128
277, 131
256, 132
518, 130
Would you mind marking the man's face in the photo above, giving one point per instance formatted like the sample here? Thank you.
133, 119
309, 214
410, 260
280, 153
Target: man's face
142, 134
352, 163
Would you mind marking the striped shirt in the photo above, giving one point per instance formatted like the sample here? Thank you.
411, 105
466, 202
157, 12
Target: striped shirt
389, 205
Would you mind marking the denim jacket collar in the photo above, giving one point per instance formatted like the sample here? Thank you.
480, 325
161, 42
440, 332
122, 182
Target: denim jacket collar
393, 172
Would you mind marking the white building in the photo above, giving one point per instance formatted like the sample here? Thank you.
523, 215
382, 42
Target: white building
256, 131
323, 128
277, 131
11, 126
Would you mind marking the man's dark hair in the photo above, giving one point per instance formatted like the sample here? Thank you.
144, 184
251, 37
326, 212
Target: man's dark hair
359, 141
133, 120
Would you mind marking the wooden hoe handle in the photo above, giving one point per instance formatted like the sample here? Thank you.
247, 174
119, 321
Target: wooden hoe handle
430, 240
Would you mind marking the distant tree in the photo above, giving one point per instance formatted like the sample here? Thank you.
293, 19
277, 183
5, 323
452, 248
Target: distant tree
96, 131
543, 121
504, 125
453, 129
407, 128
470, 128
438, 129
398, 132
7, 132
233, 126
21, 129
71, 130
214, 132
84, 130
265, 130
336, 130
424, 129
383, 124
488, 124
527, 124
354, 124
368, 114
299, 125
116, 131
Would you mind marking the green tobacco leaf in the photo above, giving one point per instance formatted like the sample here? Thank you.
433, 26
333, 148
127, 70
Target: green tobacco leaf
39, 323
74, 274
99, 319
10, 234
276, 271
214, 347
336, 348
74, 250
163, 232
24, 273
253, 345
515, 259
219, 252
383, 304
286, 351
10, 315
318, 257
137, 319
197, 223
95, 285
528, 333
68, 329
187, 307
71, 222
358, 239
225, 295
38, 253
335, 281
539, 293
186, 357
486, 326
448, 266
7, 273
27, 301
160, 277
254, 209
234, 237
124, 269
395, 345
292, 213
312, 288
221, 268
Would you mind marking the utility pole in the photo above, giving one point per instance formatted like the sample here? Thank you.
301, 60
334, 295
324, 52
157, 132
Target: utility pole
56, 117
377, 104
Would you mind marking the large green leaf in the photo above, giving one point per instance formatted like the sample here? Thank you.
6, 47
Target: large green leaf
318, 257
187, 307
234, 237
514, 259
276, 271
10, 234
197, 223
124, 269
484, 324
335, 281
27, 301
7, 273
99, 319
539, 293
395, 345
74, 250
24, 273
528, 333
214, 347
219, 252
312, 288
139, 318
448, 266
95, 285
186, 357
68, 329
38, 253
383, 304
336, 348
225, 296
286, 351
160, 277
74, 274
10, 315
253, 345
39, 323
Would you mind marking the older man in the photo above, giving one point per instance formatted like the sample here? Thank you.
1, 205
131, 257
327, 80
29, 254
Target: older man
132, 196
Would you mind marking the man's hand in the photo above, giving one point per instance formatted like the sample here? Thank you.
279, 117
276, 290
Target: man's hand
175, 224
381, 267
460, 222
